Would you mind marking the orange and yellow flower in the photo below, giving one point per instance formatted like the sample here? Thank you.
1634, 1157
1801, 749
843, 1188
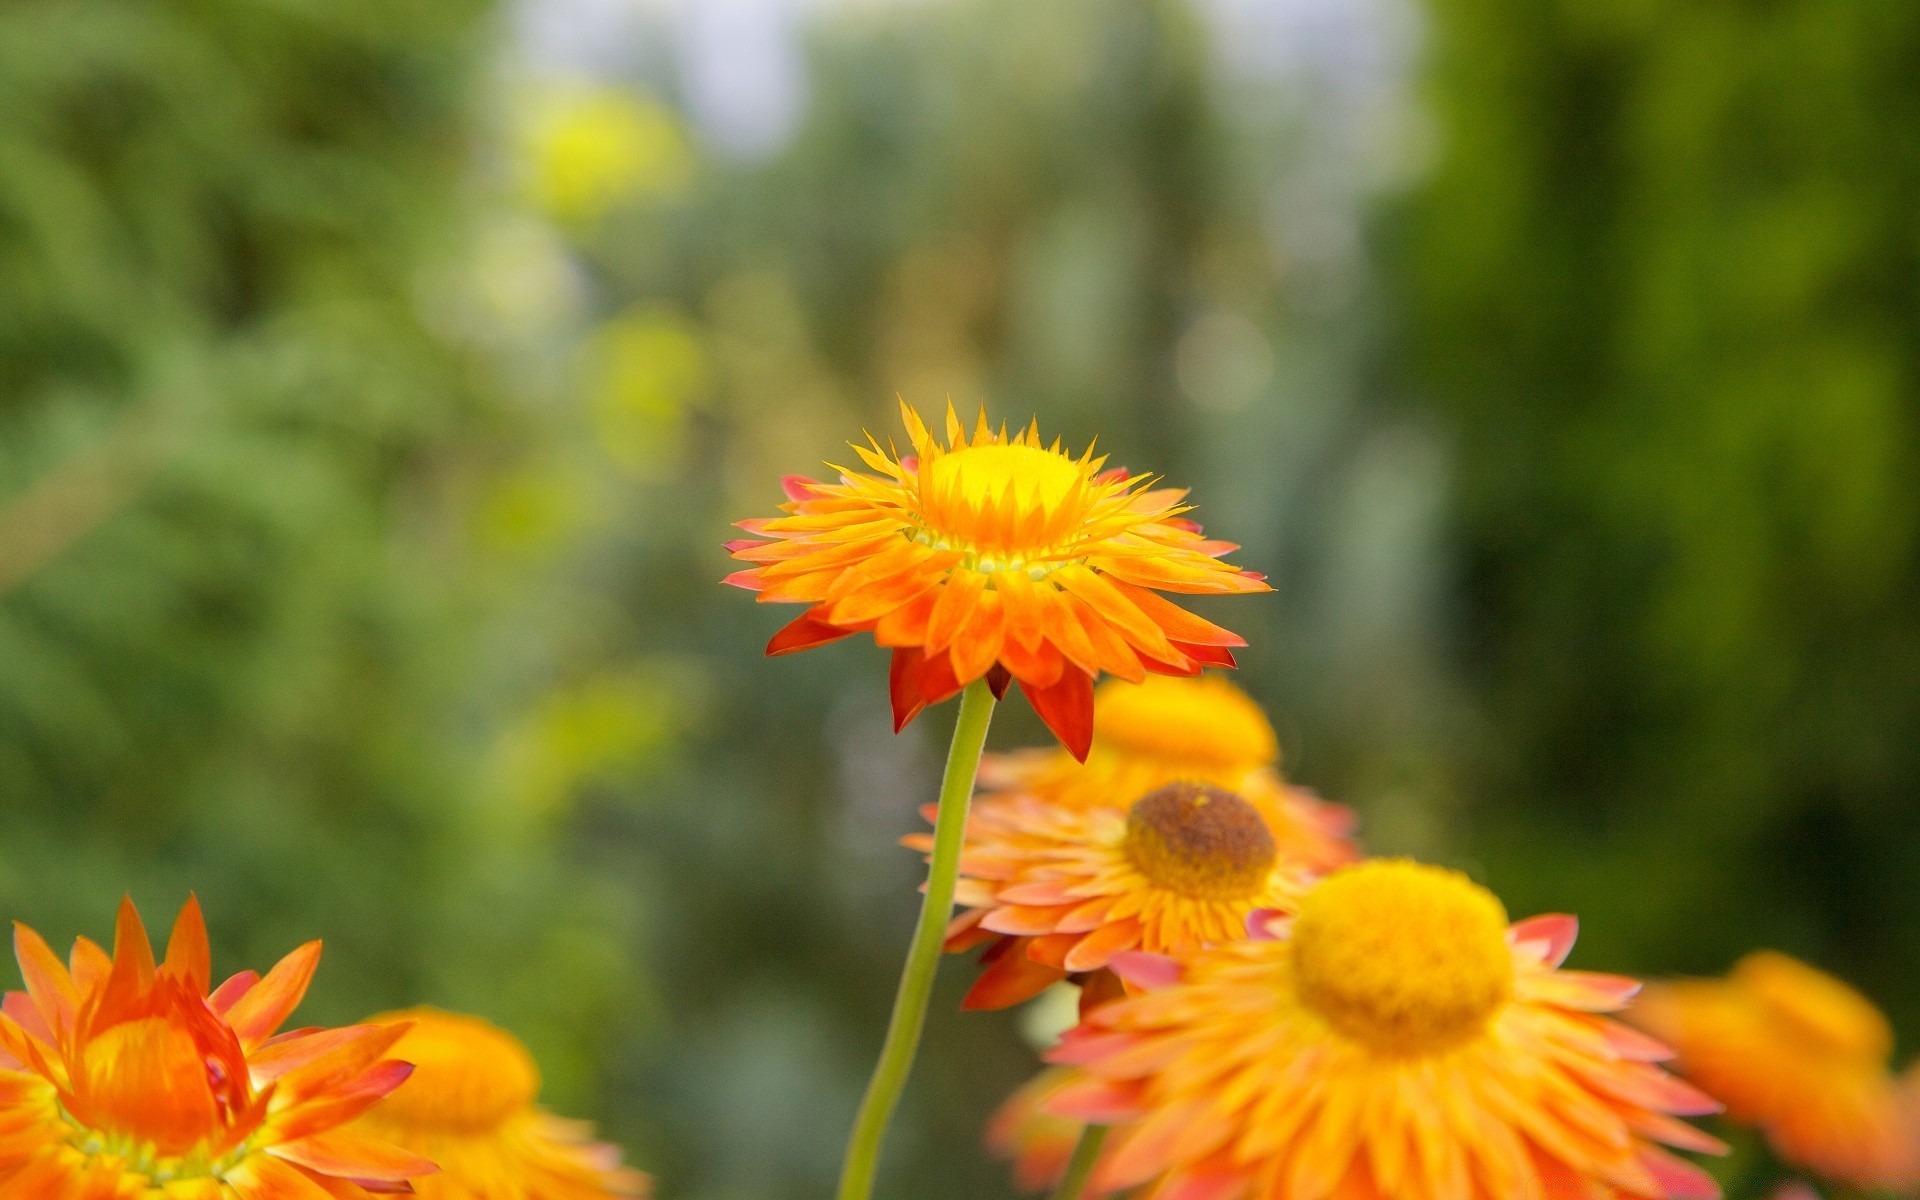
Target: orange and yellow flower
1397, 1042
994, 557
1059, 891
470, 1108
1167, 729
1799, 1054
125, 1079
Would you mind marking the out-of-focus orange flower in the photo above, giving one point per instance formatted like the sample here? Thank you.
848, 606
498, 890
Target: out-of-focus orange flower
994, 557
124, 1078
1397, 1042
1799, 1054
1039, 1142
1060, 891
470, 1108
1169, 729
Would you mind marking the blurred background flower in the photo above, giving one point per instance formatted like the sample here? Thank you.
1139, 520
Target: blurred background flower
375, 388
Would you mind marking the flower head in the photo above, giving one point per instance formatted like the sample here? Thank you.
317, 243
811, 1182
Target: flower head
1399, 1041
1799, 1054
129, 1078
1060, 891
1169, 729
470, 1108
994, 556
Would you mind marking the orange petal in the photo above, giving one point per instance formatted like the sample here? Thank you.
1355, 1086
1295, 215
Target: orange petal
1179, 624
953, 606
267, 1005
48, 983
353, 1156
1098, 948
1009, 980
907, 625
804, 632
188, 956
977, 646
903, 685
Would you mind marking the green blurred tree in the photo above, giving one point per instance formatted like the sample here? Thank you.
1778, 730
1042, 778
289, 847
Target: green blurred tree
238, 598
1665, 288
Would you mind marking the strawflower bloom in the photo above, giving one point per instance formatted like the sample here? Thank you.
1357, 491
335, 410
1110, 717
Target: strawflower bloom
1170, 729
1799, 1054
994, 557
1060, 891
1395, 1041
127, 1079
470, 1108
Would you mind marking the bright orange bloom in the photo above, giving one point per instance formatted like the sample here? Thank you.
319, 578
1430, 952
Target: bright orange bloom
470, 1108
125, 1079
1396, 1041
1168, 729
1060, 891
1799, 1054
994, 557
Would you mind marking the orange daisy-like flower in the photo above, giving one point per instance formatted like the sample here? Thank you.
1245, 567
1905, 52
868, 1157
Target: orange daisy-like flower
1799, 1054
995, 557
1167, 729
470, 1108
1398, 1042
129, 1079
1060, 891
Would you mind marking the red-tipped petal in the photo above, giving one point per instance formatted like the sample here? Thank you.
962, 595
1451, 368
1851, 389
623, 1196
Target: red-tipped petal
1268, 924
1067, 709
748, 580
804, 632
1146, 971
228, 994
798, 487
1555, 931
903, 686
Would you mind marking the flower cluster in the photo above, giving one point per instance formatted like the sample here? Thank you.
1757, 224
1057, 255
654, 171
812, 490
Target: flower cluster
122, 1076
1265, 1014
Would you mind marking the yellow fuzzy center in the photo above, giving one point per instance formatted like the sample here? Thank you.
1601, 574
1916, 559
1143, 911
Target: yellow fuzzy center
467, 1074
1200, 841
1403, 958
1205, 722
1815, 1008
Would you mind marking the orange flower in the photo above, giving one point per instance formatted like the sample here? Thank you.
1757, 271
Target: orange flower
470, 1108
994, 557
1398, 1041
1202, 729
126, 1079
1799, 1054
1060, 891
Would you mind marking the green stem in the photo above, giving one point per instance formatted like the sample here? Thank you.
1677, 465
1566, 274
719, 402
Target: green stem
1080, 1168
923, 955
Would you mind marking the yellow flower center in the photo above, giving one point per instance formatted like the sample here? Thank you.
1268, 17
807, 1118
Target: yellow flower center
1821, 1011
1006, 500
468, 1075
1206, 722
1404, 958
1200, 841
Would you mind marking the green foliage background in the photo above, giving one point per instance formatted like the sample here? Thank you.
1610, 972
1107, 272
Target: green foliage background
363, 475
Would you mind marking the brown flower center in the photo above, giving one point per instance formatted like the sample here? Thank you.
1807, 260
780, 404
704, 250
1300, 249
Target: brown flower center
1201, 841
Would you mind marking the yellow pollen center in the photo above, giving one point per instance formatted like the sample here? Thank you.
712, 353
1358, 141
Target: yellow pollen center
1200, 841
1404, 958
1204, 722
468, 1075
1814, 1007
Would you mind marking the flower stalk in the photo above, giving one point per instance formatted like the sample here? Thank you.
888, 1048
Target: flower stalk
1086, 1152
923, 954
